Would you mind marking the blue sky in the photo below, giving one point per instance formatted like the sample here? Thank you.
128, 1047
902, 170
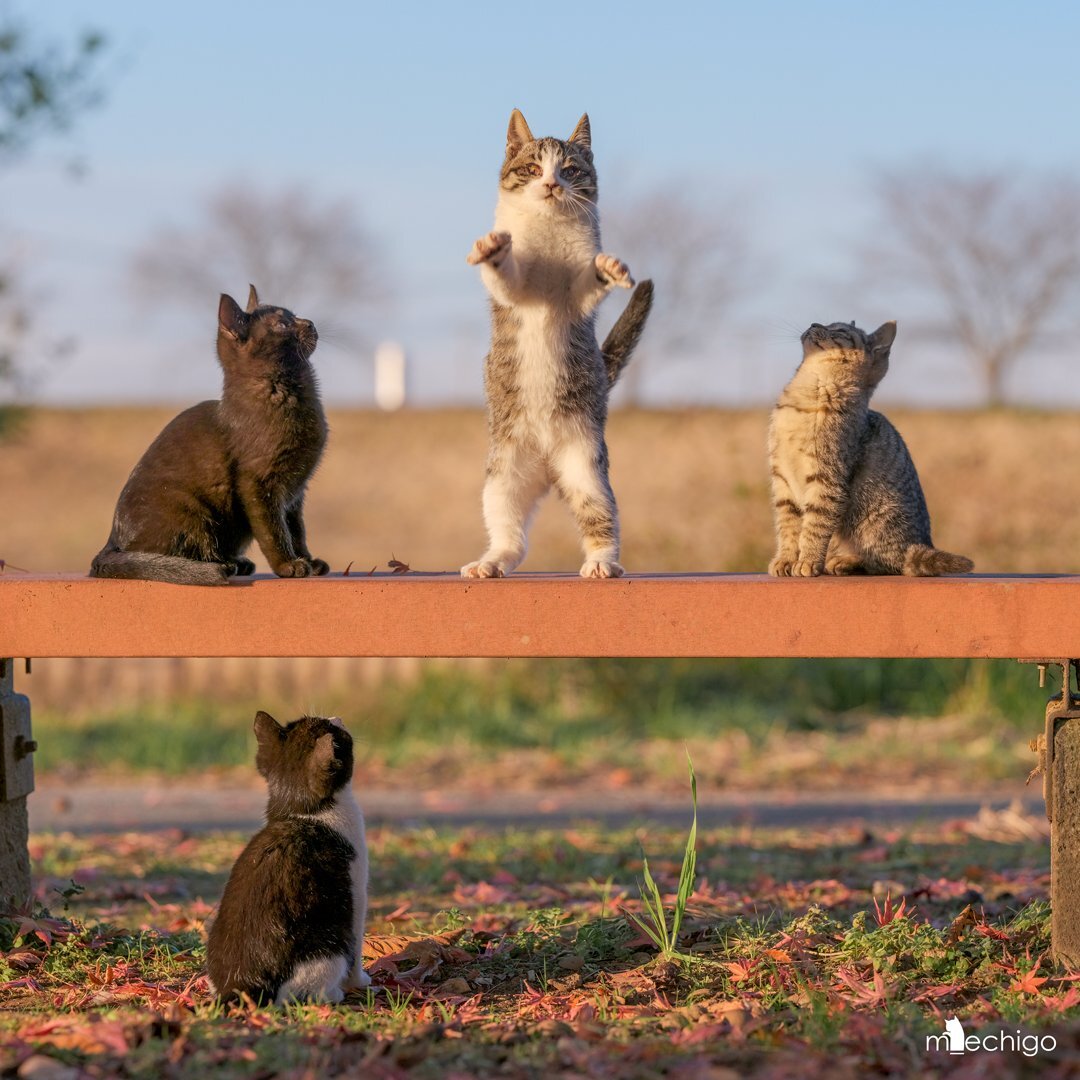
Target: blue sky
403, 109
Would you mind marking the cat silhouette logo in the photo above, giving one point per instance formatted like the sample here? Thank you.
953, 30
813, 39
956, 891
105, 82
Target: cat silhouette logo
955, 1030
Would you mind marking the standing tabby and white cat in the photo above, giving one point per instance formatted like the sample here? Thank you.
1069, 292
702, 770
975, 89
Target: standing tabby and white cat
291, 922
846, 495
546, 379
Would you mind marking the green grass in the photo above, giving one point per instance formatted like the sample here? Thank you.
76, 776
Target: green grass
795, 961
585, 713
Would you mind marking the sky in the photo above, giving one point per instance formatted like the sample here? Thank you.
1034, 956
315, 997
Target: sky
779, 108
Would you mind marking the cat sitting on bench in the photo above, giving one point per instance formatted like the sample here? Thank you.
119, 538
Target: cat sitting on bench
225, 471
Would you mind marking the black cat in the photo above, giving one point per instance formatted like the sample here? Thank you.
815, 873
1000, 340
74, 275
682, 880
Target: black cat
291, 922
224, 471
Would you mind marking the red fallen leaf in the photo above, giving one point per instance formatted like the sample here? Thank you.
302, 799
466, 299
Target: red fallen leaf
94, 1036
869, 991
741, 969
345, 572
43, 928
378, 946
23, 959
1028, 983
398, 913
398, 566
887, 914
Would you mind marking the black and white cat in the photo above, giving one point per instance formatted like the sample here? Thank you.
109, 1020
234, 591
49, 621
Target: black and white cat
291, 922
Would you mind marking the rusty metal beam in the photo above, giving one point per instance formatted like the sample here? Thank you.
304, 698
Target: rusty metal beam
545, 615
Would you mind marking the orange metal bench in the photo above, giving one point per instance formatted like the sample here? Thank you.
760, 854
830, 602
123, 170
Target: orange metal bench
1034, 617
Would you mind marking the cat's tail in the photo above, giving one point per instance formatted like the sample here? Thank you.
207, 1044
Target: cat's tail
921, 560
148, 566
626, 332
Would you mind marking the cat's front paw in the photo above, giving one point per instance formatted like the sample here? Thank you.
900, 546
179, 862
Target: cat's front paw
293, 568
358, 980
781, 566
601, 568
242, 568
319, 567
808, 568
492, 248
482, 568
613, 272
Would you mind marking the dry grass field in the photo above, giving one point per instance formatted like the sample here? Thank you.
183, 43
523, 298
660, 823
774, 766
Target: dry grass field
692, 488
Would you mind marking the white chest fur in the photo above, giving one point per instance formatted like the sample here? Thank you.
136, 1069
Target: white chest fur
347, 819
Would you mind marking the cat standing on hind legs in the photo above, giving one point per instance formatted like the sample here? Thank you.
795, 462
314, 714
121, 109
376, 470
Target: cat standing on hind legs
846, 496
545, 378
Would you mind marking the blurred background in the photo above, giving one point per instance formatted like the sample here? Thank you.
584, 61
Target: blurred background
768, 165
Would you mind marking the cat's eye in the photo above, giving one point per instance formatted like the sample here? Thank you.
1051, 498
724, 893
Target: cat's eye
570, 171
532, 169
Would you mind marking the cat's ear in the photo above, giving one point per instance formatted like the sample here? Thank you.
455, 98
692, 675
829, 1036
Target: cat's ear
880, 341
518, 133
232, 322
582, 134
253, 299
267, 730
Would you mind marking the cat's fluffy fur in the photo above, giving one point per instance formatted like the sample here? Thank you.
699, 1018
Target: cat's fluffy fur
224, 471
846, 495
546, 379
291, 921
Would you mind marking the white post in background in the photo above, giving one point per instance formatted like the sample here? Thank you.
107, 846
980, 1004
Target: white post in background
389, 376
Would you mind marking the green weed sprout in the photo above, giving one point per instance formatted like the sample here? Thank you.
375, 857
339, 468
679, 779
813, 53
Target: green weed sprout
655, 924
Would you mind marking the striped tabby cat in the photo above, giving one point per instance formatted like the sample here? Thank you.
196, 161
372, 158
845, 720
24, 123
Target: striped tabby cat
545, 378
846, 495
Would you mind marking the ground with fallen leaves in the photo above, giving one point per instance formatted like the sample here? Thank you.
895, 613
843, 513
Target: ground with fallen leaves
830, 953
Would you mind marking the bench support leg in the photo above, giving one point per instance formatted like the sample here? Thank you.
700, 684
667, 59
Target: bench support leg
1059, 760
16, 783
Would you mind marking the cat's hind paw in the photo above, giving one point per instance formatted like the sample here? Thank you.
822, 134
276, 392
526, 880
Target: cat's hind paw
319, 567
482, 568
841, 565
601, 568
613, 272
492, 248
359, 980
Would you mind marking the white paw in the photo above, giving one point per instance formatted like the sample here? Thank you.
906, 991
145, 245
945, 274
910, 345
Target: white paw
601, 568
482, 568
612, 271
491, 248
359, 980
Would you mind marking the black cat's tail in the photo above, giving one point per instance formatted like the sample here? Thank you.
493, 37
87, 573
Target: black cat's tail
148, 566
626, 332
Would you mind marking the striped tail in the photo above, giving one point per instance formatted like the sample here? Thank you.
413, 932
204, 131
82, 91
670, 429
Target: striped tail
921, 560
626, 332
148, 566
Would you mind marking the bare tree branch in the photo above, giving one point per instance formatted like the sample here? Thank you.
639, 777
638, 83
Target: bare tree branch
302, 252
995, 256
697, 250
